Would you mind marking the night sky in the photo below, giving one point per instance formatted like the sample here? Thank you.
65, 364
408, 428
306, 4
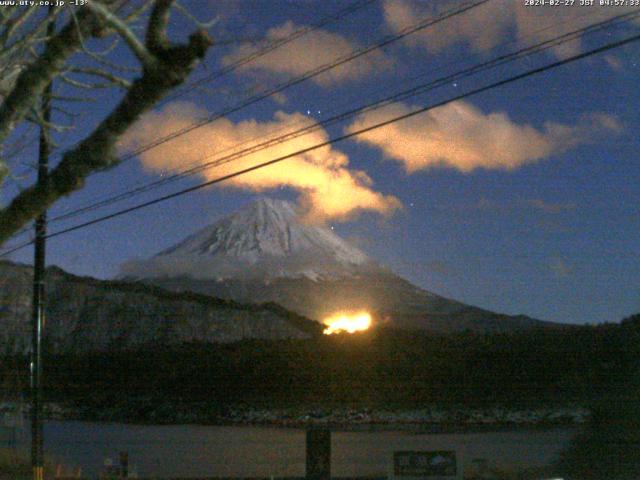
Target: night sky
523, 199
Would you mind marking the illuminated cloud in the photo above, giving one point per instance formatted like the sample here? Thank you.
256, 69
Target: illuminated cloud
310, 51
461, 136
481, 27
328, 188
484, 27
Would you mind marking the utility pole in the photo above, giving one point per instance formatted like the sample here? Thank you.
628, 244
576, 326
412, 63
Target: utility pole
318, 465
39, 263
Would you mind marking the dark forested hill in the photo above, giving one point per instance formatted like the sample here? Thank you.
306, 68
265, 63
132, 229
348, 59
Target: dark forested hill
380, 369
87, 314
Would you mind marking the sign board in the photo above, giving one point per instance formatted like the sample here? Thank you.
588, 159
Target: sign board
427, 465
318, 454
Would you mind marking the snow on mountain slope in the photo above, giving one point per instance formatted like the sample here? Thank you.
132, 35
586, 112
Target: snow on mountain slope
265, 253
265, 240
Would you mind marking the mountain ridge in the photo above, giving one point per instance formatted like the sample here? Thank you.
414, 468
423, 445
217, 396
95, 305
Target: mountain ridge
264, 239
248, 256
87, 314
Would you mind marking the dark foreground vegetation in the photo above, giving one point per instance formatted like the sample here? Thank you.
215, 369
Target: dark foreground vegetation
378, 369
608, 447
595, 367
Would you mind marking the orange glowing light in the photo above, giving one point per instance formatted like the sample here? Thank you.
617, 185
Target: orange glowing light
347, 322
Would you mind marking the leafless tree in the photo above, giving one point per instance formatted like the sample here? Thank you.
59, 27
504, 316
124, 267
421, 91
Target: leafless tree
30, 60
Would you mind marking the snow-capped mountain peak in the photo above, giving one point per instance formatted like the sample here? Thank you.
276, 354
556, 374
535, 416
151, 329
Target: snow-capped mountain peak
265, 253
265, 239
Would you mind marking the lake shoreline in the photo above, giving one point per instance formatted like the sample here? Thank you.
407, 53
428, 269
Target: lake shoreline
427, 421
245, 451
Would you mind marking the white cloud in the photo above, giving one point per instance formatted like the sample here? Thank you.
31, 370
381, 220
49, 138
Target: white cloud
481, 27
309, 52
328, 188
484, 27
461, 136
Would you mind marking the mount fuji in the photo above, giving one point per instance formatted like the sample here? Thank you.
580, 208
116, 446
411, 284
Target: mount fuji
265, 240
265, 252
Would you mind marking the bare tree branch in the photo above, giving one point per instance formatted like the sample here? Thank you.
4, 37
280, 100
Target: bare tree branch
13, 49
157, 41
66, 113
136, 13
93, 85
32, 81
200, 25
136, 46
15, 23
101, 60
113, 79
171, 67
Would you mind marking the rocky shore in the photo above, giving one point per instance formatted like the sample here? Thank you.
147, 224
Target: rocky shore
425, 419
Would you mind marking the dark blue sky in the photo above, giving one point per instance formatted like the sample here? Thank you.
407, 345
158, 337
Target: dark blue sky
523, 199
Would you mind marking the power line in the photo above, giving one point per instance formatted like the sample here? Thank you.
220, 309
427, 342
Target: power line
341, 138
309, 75
405, 94
354, 7
415, 91
425, 23
420, 89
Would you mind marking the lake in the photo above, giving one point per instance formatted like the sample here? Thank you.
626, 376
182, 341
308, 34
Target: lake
190, 450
